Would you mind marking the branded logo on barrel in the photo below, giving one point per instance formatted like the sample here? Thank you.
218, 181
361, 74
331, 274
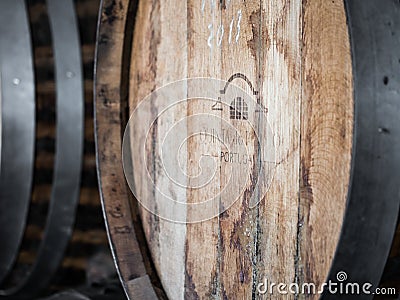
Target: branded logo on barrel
194, 147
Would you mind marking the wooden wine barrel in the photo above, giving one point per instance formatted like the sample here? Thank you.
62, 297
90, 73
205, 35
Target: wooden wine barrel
326, 77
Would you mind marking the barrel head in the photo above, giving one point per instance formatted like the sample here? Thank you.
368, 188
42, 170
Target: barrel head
293, 60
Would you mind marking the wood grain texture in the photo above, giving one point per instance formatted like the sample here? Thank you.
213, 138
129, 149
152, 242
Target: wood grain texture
326, 136
238, 231
154, 53
297, 55
201, 264
110, 102
278, 212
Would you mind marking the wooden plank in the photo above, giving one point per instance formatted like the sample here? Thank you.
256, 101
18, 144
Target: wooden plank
142, 288
29, 258
202, 267
326, 136
89, 196
240, 54
48, 87
159, 56
45, 130
110, 96
93, 237
45, 160
44, 55
281, 77
84, 9
47, 100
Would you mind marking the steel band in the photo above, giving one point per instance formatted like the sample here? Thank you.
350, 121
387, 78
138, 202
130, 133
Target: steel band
69, 149
18, 128
373, 202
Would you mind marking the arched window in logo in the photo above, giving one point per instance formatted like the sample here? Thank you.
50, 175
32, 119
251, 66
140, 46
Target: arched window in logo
239, 109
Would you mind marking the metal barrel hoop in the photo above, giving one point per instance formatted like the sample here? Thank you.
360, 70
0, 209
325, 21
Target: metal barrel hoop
69, 149
373, 199
18, 128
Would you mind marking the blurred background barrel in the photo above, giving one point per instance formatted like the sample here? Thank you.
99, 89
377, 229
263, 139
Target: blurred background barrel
87, 262
88, 229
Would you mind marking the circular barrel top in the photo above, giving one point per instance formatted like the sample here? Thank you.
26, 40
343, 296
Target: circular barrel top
293, 60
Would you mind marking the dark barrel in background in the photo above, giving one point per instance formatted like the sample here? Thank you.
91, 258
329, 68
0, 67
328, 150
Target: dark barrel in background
84, 261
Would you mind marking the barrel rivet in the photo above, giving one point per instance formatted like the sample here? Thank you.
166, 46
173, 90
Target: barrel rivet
383, 130
70, 74
16, 81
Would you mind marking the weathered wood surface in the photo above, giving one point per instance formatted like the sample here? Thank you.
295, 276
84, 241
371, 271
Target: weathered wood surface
327, 131
297, 54
110, 105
